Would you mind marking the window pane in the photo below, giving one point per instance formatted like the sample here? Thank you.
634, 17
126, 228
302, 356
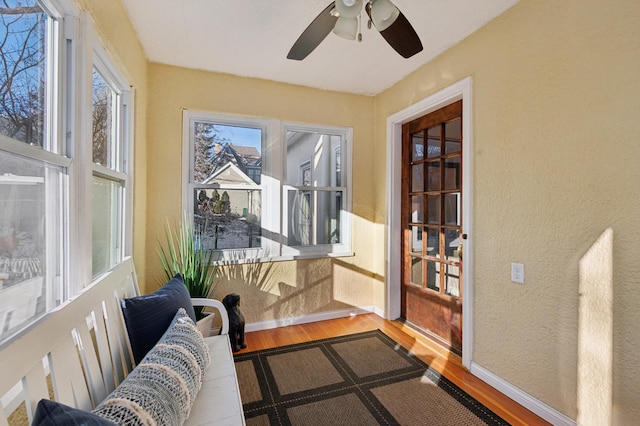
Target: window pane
452, 280
417, 152
452, 209
104, 144
433, 176
23, 84
416, 240
314, 217
433, 141
107, 224
433, 209
451, 243
433, 275
452, 173
416, 271
226, 154
30, 240
433, 242
416, 209
313, 159
453, 136
229, 219
417, 179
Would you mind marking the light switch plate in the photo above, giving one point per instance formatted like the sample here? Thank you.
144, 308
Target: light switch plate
517, 273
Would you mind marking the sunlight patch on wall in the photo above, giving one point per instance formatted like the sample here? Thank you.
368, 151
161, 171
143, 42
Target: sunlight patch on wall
595, 333
352, 285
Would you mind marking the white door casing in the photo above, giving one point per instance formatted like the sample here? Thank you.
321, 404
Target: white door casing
455, 92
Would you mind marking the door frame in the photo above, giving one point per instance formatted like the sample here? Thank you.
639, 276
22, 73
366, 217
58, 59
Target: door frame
460, 90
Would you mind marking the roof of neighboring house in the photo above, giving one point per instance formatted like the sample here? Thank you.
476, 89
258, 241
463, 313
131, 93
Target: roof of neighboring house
228, 174
249, 153
239, 156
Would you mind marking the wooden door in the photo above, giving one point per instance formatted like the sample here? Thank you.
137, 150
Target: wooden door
432, 225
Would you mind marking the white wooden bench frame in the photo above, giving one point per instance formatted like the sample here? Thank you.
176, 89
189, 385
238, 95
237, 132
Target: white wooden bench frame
84, 346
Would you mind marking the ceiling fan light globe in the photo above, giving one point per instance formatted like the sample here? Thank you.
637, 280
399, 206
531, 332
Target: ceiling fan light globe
383, 14
346, 28
349, 8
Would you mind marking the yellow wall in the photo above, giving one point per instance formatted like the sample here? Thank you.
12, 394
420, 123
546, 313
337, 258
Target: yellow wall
556, 107
283, 289
556, 101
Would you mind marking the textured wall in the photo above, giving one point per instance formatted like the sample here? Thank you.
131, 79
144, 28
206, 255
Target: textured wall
556, 100
281, 289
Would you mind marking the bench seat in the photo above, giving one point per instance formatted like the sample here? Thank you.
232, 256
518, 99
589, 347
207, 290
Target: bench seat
218, 402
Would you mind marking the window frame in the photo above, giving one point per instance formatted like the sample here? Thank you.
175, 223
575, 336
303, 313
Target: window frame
121, 170
344, 248
272, 186
71, 48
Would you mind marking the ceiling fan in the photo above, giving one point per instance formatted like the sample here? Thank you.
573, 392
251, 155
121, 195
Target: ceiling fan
343, 18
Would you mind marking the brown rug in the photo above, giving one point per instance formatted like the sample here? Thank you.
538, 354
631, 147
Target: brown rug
360, 379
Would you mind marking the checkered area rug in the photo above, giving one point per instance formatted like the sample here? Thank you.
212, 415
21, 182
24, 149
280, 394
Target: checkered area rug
360, 379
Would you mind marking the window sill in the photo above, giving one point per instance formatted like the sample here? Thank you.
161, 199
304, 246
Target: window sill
283, 258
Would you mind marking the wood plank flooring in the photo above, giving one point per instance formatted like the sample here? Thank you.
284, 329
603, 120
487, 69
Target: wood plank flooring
447, 364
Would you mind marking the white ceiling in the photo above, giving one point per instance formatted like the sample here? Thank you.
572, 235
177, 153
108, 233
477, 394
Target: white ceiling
251, 38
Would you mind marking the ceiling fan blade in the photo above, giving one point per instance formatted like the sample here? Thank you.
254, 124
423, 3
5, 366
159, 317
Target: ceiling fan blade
400, 35
317, 31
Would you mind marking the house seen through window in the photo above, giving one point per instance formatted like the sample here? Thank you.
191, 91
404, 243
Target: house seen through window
226, 174
285, 198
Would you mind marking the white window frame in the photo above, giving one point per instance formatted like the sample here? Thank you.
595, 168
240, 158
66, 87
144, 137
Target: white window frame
272, 187
121, 171
322, 250
72, 50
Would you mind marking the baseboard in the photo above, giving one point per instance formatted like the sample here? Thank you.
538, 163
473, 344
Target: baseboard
303, 319
548, 413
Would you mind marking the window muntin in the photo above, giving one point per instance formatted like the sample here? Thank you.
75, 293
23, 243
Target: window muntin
24, 36
291, 196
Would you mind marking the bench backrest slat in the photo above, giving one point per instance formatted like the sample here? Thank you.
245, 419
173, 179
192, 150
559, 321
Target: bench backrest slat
35, 387
84, 344
89, 358
60, 356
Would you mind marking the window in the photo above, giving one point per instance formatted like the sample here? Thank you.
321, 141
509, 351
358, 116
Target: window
25, 33
108, 118
32, 177
284, 199
226, 171
313, 194
50, 189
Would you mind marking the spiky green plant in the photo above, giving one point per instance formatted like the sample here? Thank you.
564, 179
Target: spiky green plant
185, 255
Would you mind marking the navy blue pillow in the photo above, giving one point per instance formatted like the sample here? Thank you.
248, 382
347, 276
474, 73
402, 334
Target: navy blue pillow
51, 413
148, 317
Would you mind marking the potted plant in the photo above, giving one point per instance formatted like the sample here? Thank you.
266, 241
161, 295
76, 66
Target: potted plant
185, 255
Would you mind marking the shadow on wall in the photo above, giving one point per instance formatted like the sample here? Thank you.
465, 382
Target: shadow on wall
288, 290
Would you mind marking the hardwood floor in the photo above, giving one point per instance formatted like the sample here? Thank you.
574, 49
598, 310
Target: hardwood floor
447, 364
